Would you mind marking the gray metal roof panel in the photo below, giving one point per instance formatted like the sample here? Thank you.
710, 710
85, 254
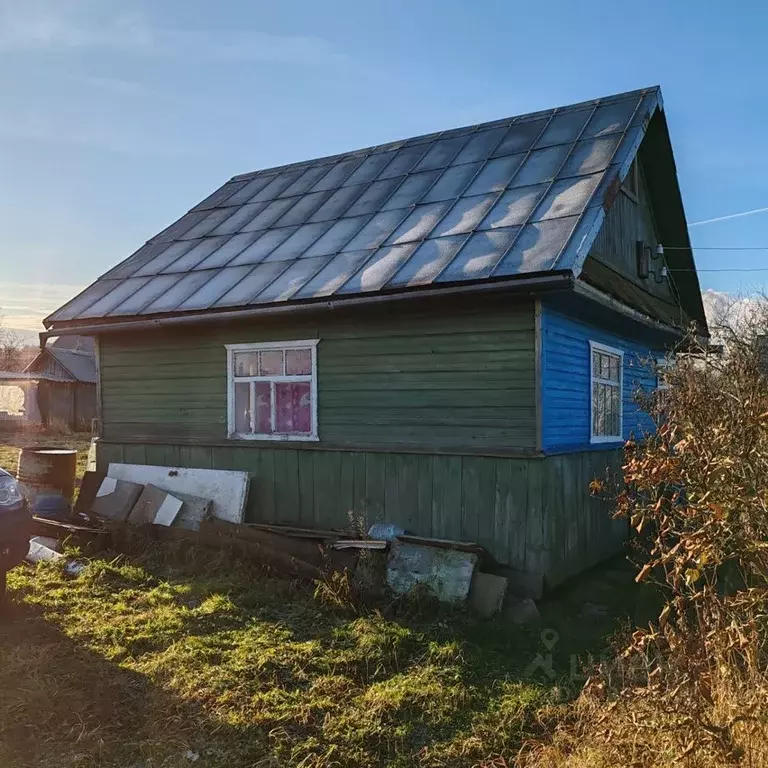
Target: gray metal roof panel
82, 365
508, 197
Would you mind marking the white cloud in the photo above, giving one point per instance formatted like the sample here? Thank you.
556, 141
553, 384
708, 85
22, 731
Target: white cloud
24, 305
36, 25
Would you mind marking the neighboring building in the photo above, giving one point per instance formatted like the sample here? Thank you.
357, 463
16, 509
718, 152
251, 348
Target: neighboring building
444, 332
58, 388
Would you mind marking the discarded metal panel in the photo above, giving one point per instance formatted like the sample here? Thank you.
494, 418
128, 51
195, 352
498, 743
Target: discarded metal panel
115, 499
154, 503
447, 572
227, 490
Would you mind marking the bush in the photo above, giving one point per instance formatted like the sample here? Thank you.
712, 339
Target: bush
692, 687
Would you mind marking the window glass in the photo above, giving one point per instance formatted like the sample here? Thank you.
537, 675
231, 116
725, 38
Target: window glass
606, 395
272, 389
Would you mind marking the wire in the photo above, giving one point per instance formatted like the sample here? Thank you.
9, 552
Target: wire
716, 248
732, 269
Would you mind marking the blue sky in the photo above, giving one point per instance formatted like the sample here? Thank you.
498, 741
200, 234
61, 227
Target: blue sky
119, 116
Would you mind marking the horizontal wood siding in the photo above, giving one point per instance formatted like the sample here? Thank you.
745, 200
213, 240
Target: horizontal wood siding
453, 379
566, 387
534, 515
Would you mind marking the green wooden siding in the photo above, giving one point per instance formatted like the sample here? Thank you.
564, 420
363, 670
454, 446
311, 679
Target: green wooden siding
534, 515
460, 379
628, 221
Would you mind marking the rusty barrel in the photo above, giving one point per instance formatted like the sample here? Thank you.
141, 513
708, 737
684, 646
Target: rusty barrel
49, 471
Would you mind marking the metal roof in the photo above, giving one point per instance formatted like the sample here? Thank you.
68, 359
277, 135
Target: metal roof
513, 197
82, 365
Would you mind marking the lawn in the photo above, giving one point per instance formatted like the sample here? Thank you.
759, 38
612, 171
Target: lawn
143, 662
12, 442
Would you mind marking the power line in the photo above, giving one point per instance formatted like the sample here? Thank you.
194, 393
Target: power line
716, 248
731, 269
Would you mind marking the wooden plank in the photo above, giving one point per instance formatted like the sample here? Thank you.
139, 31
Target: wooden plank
439, 478
518, 531
470, 498
155, 454
535, 559
172, 456
287, 486
453, 498
306, 487
346, 492
423, 524
392, 489
134, 454
263, 486
486, 502
408, 491
502, 511
375, 484
359, 505
201, 456
327, 473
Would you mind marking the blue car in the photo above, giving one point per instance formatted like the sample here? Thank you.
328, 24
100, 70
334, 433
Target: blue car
15, 526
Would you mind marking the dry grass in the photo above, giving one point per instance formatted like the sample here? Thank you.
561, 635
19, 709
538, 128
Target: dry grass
139, 661
11, 442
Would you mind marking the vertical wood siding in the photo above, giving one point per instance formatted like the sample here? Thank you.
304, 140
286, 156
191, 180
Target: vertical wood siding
566, 385
457, 379
534, 515
627, 222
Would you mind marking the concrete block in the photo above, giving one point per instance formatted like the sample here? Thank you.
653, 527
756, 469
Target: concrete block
486, 595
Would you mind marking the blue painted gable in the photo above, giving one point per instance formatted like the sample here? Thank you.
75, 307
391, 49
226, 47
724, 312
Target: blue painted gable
566, 386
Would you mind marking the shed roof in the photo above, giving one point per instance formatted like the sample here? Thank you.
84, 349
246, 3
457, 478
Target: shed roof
82, 365
498, 200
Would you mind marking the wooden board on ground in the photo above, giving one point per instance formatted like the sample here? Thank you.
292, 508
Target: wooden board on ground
115, 499
446, 572
227, 490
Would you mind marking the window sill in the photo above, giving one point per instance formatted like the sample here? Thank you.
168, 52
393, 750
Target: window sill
605, 439
274, 438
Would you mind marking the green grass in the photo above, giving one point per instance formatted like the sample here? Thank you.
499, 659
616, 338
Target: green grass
138, 661
12, 442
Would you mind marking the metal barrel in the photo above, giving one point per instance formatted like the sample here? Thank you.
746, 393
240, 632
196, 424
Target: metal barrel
49, 471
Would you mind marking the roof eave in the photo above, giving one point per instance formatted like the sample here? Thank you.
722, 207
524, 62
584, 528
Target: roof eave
534, 283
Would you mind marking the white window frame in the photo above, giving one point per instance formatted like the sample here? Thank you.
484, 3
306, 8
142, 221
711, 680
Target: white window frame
595, 346
662, 364
260, 346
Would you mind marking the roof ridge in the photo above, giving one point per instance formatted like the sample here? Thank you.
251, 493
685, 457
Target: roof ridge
397, 143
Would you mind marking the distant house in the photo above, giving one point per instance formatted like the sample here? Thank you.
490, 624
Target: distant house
57, 388
445, 332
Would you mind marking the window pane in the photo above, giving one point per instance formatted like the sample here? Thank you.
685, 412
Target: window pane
298, 362
246, 363
272, 362
293, 408
242, 408
263, 391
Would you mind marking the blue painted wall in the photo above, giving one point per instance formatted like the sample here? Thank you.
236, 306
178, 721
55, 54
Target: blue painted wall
565, 381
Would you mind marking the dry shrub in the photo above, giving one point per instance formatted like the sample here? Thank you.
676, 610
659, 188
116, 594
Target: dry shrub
692, 687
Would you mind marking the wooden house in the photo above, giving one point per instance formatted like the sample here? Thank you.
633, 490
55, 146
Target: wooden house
56, 389
445, 332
